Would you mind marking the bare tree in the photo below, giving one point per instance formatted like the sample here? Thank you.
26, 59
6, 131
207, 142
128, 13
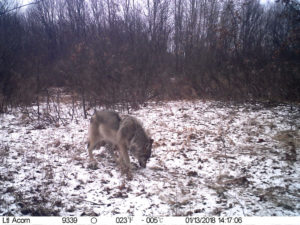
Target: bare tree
125, 52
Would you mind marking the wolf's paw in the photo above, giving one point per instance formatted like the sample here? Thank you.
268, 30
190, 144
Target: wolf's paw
93, 165
126, 171
129, 176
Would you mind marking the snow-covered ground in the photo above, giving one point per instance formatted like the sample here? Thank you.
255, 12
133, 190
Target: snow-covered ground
209, 158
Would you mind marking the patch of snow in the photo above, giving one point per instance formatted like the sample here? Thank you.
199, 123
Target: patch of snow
209, 158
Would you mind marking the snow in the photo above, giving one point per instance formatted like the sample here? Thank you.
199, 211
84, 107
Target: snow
209, 158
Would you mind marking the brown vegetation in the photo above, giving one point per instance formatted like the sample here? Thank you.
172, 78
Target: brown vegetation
110, 52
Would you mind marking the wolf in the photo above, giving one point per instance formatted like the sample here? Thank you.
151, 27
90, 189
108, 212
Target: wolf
127, 134
103, 130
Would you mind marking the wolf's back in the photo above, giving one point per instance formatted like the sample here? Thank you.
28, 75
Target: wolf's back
107, 118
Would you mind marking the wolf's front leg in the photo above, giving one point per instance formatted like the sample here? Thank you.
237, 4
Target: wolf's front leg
124, 161
92, 161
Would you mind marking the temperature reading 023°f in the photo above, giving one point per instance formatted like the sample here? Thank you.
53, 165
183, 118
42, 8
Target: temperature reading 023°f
124, 219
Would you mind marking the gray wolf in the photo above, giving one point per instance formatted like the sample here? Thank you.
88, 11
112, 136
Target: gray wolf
126, 134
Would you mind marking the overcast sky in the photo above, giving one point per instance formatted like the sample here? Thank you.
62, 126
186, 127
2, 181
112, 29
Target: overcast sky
28, 1
264, 1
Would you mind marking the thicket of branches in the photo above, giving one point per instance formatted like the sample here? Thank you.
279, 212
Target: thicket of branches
105, 52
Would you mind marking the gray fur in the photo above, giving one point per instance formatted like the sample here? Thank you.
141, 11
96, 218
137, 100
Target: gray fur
126, 134
103, 128
132, 136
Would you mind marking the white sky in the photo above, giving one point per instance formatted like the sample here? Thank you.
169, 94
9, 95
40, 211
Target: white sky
28, 1
23, 2
265, 1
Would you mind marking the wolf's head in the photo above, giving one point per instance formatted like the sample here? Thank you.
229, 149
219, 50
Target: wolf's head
145, 153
